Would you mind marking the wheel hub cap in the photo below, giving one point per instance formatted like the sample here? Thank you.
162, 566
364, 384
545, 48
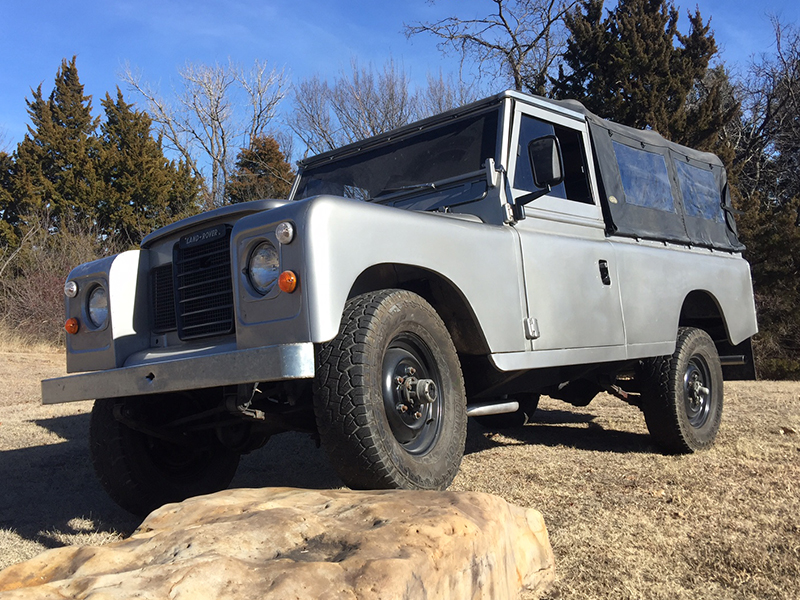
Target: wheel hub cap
411, 395
696, 391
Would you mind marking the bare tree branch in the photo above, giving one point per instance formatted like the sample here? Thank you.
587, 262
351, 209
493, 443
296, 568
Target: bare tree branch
519, 40
362, 103
5, 144
34, 229
767, 139
218, 109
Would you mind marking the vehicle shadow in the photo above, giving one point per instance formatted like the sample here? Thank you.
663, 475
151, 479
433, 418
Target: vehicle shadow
50, 491
288, 460
560, 428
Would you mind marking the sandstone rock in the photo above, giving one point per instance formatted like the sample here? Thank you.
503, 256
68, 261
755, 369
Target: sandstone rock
283, 543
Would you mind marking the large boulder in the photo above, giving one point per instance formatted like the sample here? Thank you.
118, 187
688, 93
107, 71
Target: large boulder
283, 543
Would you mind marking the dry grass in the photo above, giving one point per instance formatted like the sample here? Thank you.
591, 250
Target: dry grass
628, 522
14, 342
624, 520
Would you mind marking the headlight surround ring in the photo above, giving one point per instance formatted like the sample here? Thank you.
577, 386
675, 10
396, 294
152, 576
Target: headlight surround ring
263, 267
97, 306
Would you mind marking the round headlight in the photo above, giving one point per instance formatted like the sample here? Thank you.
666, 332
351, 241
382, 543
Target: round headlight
98, 306
263, 267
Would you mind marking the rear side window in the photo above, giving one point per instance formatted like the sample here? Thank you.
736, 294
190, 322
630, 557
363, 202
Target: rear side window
645, 178
701, 195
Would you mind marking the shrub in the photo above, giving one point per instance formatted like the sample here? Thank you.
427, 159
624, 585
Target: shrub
32, 279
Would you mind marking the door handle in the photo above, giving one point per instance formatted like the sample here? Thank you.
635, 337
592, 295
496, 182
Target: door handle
605, 276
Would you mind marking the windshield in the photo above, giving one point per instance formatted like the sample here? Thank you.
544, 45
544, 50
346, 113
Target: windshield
449, 150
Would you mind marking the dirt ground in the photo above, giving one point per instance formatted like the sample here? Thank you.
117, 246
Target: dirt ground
625, 521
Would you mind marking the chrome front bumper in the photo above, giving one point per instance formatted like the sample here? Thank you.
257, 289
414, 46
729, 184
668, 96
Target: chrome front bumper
271, 363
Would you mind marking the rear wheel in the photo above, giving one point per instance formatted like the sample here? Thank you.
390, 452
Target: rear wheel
389, 395
682, 394
141, 466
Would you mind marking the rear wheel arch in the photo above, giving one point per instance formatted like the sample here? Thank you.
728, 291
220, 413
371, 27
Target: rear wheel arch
701, 310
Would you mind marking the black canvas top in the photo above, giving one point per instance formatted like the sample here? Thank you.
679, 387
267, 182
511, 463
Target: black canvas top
655, 189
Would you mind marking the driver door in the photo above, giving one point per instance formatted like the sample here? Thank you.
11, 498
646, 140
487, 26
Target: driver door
569, 265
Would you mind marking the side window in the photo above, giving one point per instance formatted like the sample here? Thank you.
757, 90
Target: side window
645, 179
701, 195
576, 183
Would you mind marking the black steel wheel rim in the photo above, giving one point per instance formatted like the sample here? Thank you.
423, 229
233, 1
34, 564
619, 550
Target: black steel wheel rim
698, 391
415, 426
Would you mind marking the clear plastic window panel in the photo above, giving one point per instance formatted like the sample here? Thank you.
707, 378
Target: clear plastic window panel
644, 178
701, 195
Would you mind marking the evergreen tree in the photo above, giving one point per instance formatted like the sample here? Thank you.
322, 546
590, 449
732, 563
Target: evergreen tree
8, 236
767, 190
636, 68
55, 162
142, 189
770, 230
261, 172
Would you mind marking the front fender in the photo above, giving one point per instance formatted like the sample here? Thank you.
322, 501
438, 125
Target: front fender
343, 238
126, 331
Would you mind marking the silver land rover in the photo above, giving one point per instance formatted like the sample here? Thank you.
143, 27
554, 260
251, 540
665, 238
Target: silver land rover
459, 266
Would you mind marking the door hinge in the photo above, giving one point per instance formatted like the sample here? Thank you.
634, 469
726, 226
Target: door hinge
509, 213
532, 329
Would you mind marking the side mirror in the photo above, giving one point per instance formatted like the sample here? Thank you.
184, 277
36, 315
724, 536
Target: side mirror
547, 168
546, 164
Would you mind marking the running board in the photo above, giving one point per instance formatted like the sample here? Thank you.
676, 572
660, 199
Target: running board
733, 360
492, 408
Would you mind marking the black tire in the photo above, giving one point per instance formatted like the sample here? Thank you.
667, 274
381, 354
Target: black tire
519, 418
141, 472
682, 394
370, 442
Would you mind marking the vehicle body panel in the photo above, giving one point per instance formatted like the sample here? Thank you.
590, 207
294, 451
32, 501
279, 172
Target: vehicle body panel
545, 285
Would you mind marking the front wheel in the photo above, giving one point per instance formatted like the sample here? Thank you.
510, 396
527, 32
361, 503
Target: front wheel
389, 395
682, 394
142, 470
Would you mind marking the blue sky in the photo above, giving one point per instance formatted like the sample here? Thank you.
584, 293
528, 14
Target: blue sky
303, 36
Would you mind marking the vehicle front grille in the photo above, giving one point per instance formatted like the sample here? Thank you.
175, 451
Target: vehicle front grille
162, 293
203, 288
194, 294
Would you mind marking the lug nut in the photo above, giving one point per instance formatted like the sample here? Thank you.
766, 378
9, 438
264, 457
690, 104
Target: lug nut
417, 415
402, 408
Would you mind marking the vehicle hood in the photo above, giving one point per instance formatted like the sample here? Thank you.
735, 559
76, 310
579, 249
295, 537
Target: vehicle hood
235, 211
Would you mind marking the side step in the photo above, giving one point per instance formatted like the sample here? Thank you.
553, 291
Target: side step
733, 360
492, 408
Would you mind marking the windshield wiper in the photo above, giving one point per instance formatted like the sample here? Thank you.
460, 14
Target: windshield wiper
405, 188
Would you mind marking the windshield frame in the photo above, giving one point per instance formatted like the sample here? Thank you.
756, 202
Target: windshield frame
479, 139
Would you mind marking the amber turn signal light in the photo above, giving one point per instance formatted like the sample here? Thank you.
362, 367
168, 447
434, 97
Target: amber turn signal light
72, 326
287, 282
